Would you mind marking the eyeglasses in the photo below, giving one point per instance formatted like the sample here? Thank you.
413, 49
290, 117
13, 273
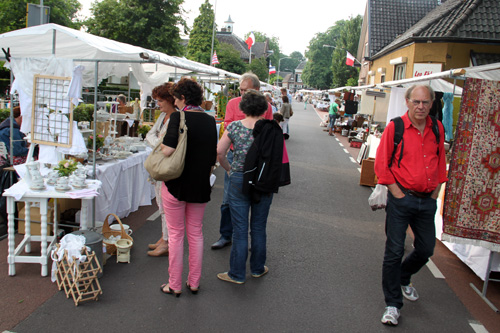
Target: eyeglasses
416, 102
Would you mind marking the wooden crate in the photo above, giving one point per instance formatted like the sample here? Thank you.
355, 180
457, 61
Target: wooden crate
368, 177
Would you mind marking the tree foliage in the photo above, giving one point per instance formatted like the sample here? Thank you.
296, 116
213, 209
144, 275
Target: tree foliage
200, 39
317, 72
62, 12
259, 67
152, 24
229, 59
273, 45
347, 40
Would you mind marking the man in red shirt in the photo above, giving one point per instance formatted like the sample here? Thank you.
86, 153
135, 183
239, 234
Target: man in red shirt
414, 184
233, 113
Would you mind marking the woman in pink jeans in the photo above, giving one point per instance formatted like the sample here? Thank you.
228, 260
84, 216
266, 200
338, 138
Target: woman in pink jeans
185, 198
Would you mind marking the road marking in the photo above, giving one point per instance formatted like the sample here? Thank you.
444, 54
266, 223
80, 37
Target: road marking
154, 216
346, 151
477, 327
341, 145
359, 169
434, 270
337, 139
352, 159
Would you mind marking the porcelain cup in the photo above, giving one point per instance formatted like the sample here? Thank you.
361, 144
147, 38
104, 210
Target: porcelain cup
62, 182
79, 182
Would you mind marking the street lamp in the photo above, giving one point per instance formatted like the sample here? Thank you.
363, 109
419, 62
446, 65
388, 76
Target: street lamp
278, 77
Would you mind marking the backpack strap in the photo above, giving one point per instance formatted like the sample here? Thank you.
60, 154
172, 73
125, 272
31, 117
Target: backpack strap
435, 130
399, 129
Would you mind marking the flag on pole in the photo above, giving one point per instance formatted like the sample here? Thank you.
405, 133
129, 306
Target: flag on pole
349, 61
272, 69
214, 59
250, 40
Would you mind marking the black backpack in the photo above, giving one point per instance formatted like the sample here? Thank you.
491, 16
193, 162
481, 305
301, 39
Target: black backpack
399, 129
264, 160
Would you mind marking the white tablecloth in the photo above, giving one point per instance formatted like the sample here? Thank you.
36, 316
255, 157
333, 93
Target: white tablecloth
125, 186
322, 105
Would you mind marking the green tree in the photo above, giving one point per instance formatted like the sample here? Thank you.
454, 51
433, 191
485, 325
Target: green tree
62, 12
229, 59
317, 72
347, 41
200, 39
259, 68
273, 44
152, 24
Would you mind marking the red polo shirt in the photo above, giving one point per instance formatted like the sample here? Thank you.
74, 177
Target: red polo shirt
421, 169
234, 113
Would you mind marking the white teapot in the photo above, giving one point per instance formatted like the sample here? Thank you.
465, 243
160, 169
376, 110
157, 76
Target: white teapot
33, 170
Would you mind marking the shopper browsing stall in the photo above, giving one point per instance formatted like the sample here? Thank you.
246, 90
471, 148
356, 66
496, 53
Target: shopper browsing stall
165, 102
185, 198
240, 134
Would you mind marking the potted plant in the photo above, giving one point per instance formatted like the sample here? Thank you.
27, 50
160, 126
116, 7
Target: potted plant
66, 167
98, 143
143, 130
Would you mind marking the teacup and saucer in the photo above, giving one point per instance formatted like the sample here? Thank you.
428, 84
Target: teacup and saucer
62, 184
37, 184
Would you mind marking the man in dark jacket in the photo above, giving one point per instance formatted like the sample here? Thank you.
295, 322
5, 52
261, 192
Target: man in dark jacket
20, 147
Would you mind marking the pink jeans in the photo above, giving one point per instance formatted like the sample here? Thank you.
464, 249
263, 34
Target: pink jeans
175, 212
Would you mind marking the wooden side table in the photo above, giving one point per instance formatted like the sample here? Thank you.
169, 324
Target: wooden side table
47, 241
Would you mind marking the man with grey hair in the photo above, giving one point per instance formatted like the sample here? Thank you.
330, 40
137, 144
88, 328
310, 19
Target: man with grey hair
411, 163
233, 113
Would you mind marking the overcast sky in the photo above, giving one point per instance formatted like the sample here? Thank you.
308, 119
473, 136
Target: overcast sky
294, 22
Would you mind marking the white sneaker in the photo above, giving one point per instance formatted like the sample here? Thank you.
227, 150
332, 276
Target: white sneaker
390, 316
409, 292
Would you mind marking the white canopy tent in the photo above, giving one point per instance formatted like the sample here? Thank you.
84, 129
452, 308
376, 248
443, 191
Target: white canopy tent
62, 42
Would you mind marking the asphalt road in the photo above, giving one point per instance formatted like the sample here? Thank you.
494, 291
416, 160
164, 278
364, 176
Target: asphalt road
325, 249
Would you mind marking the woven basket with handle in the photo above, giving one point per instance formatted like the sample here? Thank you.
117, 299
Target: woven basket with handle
107, 232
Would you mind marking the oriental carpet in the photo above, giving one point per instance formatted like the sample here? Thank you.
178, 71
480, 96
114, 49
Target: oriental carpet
471, 208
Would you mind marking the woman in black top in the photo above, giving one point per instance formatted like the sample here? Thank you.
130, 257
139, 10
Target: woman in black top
185, 198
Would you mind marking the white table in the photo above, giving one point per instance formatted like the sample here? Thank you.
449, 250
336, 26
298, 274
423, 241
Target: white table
125, 186
47, 241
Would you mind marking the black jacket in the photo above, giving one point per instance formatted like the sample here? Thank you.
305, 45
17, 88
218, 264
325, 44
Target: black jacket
263, 163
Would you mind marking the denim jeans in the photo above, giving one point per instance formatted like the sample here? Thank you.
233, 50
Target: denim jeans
241, 206
419, 214
332, 118
226, 227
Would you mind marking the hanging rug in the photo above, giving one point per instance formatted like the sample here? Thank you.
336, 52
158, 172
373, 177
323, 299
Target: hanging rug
471, 209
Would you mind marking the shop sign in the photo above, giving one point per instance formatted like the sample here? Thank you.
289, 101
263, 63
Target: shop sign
425, 69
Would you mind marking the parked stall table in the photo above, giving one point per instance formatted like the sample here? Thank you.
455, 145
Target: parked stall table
125, 186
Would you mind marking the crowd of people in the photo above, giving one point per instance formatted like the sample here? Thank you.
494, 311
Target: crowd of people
413, 180
182, 201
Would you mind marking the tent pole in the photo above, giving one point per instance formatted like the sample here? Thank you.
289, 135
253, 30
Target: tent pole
96, 82
128, 81
53, 41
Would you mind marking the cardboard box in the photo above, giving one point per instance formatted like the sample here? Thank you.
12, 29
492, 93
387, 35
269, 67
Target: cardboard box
35, 217
368, 177
102, 128
125, 109
62, 206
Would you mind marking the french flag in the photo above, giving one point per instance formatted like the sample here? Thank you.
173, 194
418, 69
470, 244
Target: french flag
272, 69
250, 40
349, 60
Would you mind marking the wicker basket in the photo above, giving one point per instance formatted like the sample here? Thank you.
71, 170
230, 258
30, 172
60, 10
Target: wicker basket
107, 232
